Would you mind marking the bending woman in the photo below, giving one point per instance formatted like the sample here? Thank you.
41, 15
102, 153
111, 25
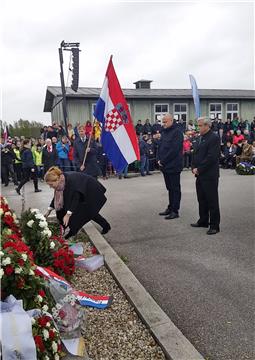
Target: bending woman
78, 198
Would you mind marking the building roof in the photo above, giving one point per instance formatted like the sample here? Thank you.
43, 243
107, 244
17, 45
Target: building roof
93, 93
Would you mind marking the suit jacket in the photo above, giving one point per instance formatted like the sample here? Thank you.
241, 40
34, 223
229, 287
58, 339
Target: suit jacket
206, 155
91, 165
170, 152
49, 158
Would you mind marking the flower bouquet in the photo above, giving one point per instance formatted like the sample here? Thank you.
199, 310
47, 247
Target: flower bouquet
245, 168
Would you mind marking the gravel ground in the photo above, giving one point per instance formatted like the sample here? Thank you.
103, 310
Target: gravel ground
116, 332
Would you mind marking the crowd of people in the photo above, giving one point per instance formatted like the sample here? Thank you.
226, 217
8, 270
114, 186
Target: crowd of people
22, 159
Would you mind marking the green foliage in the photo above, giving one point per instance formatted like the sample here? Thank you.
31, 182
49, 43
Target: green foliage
25, 128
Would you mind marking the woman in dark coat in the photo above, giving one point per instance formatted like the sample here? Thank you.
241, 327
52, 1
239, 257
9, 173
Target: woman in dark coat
78, 198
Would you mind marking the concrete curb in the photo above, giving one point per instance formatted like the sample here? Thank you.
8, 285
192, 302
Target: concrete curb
169, 337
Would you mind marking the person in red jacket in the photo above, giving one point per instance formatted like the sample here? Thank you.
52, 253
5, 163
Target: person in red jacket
186, 152
88, 128
237, 137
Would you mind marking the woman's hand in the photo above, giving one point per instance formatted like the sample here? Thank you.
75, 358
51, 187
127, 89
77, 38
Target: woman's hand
66, 219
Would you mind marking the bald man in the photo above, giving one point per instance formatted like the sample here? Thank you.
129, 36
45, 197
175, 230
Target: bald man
170, 160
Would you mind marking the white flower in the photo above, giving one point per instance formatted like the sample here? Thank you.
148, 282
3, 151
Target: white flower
32, 321
39, 216
56, 357
1, 253
14, 216
1, 212
72, 303
4, 200
43, 224
45, 308
58, 306
47, 232
31, 272
6, 261
18, 270
39, 298
52, 245
30, 223
34, 211
8, 213
24, 257
1, 273
46, 357
48, 324
45, 334
8, 232
54, 346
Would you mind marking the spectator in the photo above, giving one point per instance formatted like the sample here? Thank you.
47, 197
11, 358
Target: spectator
76, 132
186, 152
70, 153
17, 162
151, 154
144, 169
157, 127
91, 166
241, 125
191, 126
181, 125
246, 154
253, 153
102, 160
70, 130
235, 124
123, 173
227, 126
7, 162
37, 156
238, 137
44, 131
49, 156
51, 132
54, 141
62, 151
147, 128
29, 168
139, 127
61, 131
88, 128
247, 136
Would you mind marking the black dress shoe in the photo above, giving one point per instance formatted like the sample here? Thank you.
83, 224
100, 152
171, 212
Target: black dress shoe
212, 231
171, 216
18, 191
166, 212
106, 229
199, 225
38, 190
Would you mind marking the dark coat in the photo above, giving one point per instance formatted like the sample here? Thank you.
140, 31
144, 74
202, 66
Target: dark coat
139, 129
156, 127
27, 159
84, 196
49, 158
206, 155
170, 152
91, 165
7, 156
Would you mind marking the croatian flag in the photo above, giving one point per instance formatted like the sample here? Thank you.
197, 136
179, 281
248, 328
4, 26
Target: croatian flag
118, 134
195, 95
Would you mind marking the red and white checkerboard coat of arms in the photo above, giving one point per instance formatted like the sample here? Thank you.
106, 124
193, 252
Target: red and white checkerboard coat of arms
113, 120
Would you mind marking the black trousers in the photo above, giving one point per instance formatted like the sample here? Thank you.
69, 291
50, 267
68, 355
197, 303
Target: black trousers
173, 186
208, 202
27, 173
8, 170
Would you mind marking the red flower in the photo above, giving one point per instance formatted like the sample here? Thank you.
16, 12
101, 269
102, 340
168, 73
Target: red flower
8, 270
42, 293
59, 348
39, 342
51, 335
20, 283
8, 219
93, 250
21, 262
62, 314
42, 321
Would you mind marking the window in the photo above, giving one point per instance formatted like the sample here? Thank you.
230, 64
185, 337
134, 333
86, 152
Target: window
181, 112
215, 111
232, 110
160, 110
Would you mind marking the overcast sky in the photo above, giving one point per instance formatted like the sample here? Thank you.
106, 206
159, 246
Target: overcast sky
160, 41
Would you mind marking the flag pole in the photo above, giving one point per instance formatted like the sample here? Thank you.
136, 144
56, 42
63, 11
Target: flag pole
89, 141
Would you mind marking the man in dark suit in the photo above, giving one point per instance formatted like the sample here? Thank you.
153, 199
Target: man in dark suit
170, 160
205, 167
91, 166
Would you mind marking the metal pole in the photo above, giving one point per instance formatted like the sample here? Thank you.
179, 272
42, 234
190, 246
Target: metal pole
63, 88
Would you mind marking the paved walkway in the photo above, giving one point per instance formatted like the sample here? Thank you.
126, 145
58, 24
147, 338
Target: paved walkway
204, 283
